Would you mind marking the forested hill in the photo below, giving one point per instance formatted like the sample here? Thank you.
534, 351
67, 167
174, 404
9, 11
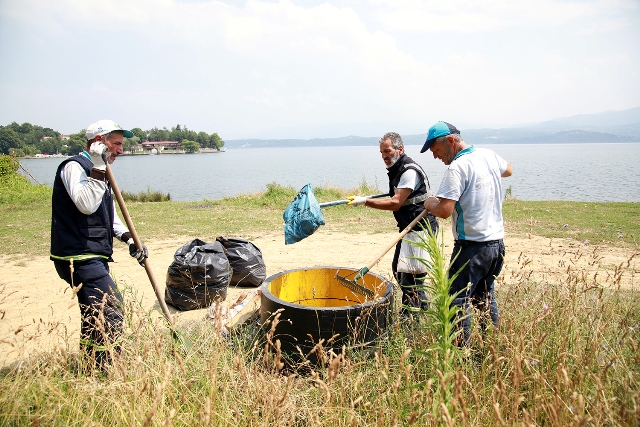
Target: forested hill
471, 136
608, 126
27, 140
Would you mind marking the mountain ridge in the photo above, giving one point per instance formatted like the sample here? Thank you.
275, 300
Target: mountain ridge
604, 127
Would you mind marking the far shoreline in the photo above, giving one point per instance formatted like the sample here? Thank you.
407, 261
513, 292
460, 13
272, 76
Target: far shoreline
65, 156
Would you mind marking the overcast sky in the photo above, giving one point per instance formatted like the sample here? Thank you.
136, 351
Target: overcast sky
305, 69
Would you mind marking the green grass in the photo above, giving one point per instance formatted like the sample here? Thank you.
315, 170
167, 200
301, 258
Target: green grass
26, 217
25, 212
609, 223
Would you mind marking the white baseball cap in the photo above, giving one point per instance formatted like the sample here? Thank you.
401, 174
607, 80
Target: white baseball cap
103, 127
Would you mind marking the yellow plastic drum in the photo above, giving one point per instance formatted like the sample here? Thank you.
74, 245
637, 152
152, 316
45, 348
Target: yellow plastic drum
316, 306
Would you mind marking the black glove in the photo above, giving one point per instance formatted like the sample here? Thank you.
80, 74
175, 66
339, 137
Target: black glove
138, 254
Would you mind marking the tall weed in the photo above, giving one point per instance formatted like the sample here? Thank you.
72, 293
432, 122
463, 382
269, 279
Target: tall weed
443, 318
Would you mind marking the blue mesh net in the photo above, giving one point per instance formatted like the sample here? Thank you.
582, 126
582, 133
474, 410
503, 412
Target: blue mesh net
302, 217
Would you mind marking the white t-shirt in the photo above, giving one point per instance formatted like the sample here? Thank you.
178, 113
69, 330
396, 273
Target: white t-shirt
410, 179
87, 193
474, 180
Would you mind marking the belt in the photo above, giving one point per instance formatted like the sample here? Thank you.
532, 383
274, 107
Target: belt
416, 200
465, 243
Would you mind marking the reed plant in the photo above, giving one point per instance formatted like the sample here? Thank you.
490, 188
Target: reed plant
443, 317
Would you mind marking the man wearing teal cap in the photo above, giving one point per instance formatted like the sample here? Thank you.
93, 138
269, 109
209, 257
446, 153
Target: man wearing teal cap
470, 192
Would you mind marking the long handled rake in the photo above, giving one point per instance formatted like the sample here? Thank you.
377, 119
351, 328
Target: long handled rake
358, 288
179, 337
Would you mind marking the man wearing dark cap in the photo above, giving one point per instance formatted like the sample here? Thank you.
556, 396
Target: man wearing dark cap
408, 189
470, 192
83, 225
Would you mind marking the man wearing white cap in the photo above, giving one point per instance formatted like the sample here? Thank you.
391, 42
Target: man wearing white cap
470, 192
84, 222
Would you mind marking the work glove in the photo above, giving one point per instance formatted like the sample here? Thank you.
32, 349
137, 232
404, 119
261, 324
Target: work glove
357, 200
98, 153
138, 254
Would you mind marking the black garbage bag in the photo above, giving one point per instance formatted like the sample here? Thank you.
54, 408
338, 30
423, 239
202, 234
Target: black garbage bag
199, 274
246, 261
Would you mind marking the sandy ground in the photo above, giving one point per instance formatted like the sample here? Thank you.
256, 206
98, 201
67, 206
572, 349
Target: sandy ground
38, 311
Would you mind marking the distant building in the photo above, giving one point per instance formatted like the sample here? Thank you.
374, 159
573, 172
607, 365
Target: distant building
162, 145
63, 136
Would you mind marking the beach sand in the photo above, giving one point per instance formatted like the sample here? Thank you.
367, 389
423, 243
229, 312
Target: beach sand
39, 313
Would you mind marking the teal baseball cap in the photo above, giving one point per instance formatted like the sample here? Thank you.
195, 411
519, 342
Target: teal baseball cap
436, 131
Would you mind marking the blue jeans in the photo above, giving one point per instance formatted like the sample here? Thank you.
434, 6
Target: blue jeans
485, 263
100, 306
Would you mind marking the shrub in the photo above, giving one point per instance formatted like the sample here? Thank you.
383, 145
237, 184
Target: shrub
8, 165
146, 196
16, 189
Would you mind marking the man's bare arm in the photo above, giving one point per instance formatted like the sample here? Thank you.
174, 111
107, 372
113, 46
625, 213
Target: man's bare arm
391, 204
442, 208
507, 172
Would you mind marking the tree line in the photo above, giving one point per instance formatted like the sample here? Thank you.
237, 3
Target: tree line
27, 139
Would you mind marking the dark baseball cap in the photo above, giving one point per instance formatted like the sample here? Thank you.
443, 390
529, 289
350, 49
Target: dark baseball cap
436, 131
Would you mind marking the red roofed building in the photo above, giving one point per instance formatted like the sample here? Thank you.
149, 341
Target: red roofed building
162, 145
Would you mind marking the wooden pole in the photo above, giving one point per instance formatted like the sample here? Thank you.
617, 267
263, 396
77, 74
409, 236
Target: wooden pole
138, 243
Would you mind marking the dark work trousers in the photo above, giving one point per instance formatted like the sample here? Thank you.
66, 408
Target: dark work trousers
413, 294
100, 307
485, 263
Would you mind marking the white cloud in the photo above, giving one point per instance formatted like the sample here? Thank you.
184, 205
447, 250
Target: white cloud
606, 25
471, 59
253, 65
615, 59
461, 16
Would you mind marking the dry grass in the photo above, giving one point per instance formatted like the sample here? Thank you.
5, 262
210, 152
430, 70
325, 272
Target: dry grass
566, 354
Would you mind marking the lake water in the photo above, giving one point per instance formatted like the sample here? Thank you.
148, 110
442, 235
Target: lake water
579, 172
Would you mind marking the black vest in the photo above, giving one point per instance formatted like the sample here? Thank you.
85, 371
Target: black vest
409, 212
74, 233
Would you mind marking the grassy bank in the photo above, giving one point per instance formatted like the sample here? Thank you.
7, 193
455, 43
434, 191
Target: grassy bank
567, 353
25, 213
596, 222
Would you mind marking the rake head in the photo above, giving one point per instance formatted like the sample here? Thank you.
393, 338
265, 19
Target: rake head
353, 285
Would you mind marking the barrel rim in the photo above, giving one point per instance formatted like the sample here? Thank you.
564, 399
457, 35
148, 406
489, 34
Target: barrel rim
264, 288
